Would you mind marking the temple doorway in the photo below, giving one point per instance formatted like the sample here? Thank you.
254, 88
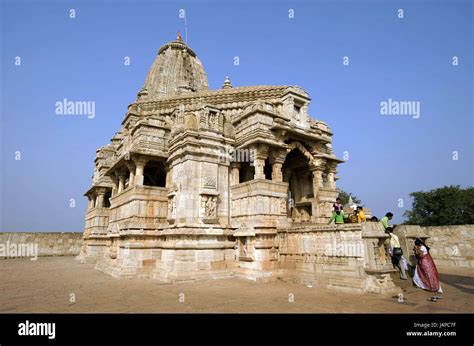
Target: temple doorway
297, 174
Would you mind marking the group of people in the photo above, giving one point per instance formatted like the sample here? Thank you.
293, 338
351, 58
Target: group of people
338, 214
425, 273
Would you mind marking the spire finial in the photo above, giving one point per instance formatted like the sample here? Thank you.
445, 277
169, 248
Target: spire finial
178, 37
227, 84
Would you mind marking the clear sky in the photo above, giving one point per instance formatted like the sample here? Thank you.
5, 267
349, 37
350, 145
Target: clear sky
82, 59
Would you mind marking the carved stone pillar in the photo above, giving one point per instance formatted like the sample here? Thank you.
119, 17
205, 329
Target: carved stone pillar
234, 173
259, 165
121, 183
330, 180
317, 206
317, 179
131, 176
277, 159
277, 175
91, 202
99, 203
115, 187
140, 163
331, 174
259, 161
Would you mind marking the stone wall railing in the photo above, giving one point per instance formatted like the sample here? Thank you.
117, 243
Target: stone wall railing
29, 244
450, 246
350, 257
264, 199
138, 207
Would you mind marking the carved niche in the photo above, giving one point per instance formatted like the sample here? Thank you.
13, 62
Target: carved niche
208, 208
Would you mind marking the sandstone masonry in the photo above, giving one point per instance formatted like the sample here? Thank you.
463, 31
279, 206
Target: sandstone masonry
236, 182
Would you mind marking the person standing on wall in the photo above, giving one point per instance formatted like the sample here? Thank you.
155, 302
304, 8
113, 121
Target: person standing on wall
337, 206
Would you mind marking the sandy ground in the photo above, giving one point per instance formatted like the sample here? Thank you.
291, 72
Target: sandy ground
48, 284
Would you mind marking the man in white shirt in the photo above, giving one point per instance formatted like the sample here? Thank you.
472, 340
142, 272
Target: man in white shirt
395, 251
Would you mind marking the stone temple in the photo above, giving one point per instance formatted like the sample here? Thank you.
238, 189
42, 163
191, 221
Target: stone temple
211, 184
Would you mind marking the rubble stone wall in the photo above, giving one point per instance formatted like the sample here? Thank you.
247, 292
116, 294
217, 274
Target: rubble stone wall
450, 246
47, 244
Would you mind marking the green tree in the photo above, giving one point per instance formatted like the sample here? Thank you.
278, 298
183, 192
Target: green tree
344, 196
448, 205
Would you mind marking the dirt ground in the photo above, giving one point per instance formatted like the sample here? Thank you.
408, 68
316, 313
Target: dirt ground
62, 285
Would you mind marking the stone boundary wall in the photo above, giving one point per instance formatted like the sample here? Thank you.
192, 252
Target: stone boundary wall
450, 246
29, 244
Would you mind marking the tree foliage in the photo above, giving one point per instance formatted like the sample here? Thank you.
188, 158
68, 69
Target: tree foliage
344, 196
449, 205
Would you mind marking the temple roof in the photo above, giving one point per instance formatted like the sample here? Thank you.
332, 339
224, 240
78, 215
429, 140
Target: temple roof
175, 71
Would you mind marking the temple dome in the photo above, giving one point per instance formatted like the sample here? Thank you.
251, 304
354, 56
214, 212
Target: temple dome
175, 71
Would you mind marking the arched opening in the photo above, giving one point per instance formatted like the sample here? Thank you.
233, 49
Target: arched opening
154, 174
300, 185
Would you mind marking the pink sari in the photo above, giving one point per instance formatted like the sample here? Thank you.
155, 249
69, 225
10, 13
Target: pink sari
426, 274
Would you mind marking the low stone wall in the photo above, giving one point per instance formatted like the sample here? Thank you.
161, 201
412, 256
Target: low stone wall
450, 246
348, 257
25, 244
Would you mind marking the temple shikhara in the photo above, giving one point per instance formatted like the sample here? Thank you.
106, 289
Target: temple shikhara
235, 182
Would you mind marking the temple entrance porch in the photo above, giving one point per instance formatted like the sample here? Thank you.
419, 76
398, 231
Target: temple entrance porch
297, 174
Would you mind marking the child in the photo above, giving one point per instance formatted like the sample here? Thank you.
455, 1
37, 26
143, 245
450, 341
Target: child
360, 215
337, 206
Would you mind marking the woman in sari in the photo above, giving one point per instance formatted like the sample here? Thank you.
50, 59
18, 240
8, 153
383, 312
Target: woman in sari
426, 274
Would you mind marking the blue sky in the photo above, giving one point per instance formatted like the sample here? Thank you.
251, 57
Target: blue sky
407, 59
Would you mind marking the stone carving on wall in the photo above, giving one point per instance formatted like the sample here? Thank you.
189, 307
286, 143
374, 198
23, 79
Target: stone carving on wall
212, 120
172, 207
209, 182
190, 121
288, 105
246, 249
283, 203
208, 207
273, 254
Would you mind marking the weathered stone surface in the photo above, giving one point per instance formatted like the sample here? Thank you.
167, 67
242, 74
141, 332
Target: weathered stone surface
450, 246
238, 182
44, 243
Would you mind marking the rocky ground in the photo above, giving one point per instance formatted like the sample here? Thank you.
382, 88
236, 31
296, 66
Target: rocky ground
61, 284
